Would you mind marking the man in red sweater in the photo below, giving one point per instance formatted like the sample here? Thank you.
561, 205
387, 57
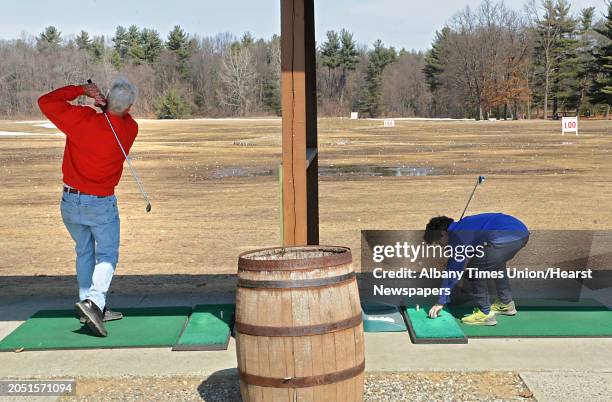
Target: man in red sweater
92, 167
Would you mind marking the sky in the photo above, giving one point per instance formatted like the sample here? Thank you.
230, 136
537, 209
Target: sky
409, 24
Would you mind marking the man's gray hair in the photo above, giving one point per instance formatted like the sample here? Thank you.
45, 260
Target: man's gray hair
121, 95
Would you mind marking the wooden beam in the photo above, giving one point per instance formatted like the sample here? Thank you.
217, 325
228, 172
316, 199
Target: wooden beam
299, 106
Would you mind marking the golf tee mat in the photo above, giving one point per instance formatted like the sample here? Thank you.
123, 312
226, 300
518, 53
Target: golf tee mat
535, 318
61, 329
209, 328
545, 319
422, 329
206, 327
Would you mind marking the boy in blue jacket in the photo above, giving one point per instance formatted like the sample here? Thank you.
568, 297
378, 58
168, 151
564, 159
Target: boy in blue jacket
500, 237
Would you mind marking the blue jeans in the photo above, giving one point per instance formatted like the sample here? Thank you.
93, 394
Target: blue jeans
93, 224
495, 259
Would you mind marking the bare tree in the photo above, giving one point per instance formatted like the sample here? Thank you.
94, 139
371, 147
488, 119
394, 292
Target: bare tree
237, 78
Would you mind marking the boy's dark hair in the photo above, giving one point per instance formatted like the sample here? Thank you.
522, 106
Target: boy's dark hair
436, 227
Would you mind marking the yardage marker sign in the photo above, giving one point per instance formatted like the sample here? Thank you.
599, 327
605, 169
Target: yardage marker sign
569, 125
389, 123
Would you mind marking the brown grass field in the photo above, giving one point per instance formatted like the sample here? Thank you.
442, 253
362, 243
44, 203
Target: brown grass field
213, 199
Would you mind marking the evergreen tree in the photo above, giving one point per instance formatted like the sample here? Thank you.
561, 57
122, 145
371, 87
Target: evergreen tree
83, 41
172, 106
586, 70
601, 90
330, 58
330, 51
121, 42
151, 44
435, 59
564, 88
97, 48
349, 58
178, 42
116, 60
49, 39
135, 50
378, 59
271, 88
247, 40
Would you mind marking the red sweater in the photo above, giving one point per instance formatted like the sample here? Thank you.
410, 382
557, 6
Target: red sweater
93, 162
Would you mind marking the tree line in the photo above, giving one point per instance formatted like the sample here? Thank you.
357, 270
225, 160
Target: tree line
490, 62
542, 61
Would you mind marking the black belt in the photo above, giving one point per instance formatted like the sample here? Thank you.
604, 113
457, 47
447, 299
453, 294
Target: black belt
75, 191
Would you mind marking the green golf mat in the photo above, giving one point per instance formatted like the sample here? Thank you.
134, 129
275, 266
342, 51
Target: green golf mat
545, 318
209, 328
60, 329
423, 329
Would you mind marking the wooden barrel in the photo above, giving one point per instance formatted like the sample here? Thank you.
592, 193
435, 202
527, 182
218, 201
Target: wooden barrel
299, 331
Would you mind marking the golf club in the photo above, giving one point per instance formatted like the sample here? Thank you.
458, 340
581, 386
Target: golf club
479, 181
132, 170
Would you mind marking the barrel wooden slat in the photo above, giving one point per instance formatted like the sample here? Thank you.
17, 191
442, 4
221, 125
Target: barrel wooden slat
326, 310
250, 348
276, 351
298, 326
302, 349
349, 343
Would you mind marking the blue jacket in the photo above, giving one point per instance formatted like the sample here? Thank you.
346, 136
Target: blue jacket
476, 230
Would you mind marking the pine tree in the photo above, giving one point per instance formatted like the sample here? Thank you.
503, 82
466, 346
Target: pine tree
435, 59
378, 59
178, 42
97, 48
601, 90
349, 58
121, 42
83, 41
172, 106
135, 50
271, 88
586, 70
49, 39
330, 58
151, 44
330, 51
247, 40
564, 89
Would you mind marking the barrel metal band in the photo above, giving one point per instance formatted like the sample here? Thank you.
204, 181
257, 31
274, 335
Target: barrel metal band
341, 256
302, 382
306, 330
304, 283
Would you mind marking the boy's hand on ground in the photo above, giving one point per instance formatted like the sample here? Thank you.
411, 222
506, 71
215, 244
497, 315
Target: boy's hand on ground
434, 312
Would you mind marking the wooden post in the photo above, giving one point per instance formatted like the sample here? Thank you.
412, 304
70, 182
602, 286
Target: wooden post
299, 106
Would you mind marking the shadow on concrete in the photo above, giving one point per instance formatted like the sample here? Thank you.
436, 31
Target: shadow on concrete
221, 386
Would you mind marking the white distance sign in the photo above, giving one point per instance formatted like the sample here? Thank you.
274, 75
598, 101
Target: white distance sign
569, 125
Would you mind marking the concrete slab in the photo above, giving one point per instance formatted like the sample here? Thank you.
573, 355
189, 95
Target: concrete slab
569, 387
384, 352
394, 352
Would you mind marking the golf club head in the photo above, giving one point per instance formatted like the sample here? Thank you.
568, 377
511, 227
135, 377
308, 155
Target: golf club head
481, 179
148, 207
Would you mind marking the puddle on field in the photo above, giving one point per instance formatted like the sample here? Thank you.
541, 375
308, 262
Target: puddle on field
375, 171
332, 171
